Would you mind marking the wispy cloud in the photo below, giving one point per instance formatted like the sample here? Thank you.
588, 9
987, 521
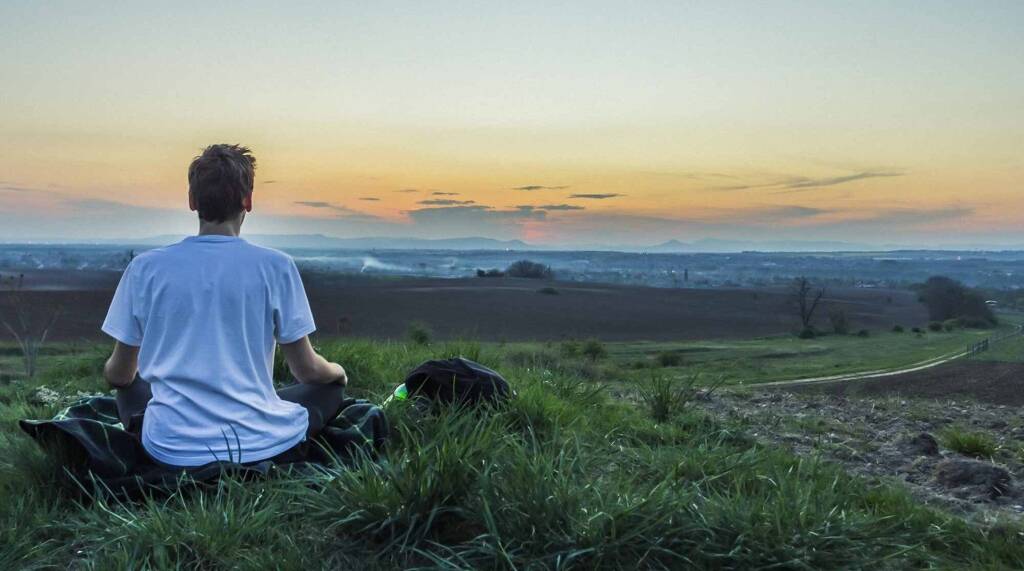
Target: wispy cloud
441, 193
369, 198
479, 212
539, 187
407, 190
269, 182
804, 183
598, 196
746, 186
93, 204
340, 210
19, 188
801, 183
445, 202
550, 207
895, 217
793, 211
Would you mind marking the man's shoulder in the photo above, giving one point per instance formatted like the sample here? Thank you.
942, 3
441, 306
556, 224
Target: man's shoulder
272, 256
150, 256
173, 254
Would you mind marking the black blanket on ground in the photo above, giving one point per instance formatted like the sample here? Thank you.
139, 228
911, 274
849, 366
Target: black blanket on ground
88, 439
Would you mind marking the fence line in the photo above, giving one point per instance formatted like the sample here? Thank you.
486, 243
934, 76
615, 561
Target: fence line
985, 344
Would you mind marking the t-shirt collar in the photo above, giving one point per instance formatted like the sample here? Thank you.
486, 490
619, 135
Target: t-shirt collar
212, 238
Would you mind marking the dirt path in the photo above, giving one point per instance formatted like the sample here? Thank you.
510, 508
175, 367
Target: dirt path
883, 373
862, 375
993, 382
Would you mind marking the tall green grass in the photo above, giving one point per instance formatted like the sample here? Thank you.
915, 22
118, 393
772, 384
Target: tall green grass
566, 476
968, 442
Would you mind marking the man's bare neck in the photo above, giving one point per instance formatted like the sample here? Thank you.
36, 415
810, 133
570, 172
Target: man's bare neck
226, 228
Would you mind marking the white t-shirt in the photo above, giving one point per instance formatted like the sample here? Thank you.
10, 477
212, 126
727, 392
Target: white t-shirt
206, 313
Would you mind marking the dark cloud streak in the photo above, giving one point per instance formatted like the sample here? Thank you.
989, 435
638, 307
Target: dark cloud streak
802, 183
445, 202
529, 187
807, 183
597, 196
550, 207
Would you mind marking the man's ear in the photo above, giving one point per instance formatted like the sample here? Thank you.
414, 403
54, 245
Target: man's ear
192, 203
247, 202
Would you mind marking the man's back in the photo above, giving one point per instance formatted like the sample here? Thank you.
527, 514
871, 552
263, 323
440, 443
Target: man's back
206, 313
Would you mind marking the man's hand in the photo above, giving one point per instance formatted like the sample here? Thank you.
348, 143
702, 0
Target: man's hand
340, 376
120, 368
308, 367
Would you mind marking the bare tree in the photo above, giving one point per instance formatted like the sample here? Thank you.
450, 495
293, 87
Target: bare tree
806, 299
29, 333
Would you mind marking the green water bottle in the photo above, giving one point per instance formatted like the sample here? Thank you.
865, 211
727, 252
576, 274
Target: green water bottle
401, 393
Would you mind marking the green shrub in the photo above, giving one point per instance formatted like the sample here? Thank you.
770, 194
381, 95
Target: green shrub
969, 443
669, 359
917, 330
666, 397
863, 333
531, 359
975, 323
840, 322
594, 349
898, 329
418, 333
935, 326
586, 369
571, 348
951, 324
807, 333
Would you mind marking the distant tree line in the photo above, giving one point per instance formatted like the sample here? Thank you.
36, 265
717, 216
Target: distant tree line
950, 305
948, 299
520, 269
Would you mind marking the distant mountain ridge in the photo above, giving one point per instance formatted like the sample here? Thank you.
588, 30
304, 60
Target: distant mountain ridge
708, 245
469, 243
320, 241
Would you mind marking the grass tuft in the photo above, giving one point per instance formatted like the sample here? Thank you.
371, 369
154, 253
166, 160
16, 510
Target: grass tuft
968, 443
665, 397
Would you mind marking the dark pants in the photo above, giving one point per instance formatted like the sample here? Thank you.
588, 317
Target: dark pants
322, 402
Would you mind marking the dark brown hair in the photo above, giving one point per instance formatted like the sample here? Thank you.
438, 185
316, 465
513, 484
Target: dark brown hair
219, 179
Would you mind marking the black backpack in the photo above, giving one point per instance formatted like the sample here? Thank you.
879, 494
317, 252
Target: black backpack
459, 381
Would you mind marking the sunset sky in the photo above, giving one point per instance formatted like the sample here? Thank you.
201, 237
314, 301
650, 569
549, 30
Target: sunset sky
575, 124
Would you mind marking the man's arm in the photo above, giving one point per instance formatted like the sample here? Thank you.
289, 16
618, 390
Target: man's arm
310, 368
120, 368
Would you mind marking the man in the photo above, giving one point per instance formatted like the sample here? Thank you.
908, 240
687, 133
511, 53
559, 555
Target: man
196, 325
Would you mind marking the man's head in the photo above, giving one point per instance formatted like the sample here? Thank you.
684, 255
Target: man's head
220, 182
